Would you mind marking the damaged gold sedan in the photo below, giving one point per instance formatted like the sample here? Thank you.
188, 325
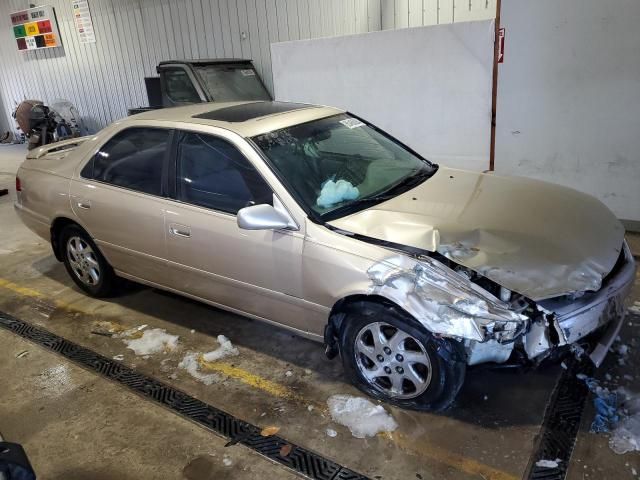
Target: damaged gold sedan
315, 220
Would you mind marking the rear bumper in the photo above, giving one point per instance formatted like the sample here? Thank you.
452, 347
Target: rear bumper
33, 221
605, 308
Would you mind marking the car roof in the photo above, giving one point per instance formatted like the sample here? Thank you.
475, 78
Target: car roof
247, 119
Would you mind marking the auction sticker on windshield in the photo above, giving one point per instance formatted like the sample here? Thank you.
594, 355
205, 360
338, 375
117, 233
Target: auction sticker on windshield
351, 123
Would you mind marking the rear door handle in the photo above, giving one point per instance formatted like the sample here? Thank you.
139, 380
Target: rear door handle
84, 204
180, 230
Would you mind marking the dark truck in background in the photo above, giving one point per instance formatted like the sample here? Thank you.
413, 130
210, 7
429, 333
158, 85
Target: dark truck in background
184, 82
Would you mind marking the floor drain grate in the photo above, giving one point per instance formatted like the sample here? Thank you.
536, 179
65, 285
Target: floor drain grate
302, 461
561, 424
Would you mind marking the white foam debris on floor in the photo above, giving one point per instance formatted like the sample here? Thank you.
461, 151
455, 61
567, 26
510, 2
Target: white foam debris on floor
152, 341
331, 432
548, 463
190, 364
119, 357
55, 381
226, 460
362, 417
225, 349
625, 437
635, 308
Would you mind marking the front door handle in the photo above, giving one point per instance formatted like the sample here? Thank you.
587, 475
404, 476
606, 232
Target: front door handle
180, 230
84, 204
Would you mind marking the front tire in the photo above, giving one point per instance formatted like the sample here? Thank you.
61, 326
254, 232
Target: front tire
387, 354
84, 262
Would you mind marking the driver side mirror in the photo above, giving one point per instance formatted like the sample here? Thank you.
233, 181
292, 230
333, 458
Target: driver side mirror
264, 217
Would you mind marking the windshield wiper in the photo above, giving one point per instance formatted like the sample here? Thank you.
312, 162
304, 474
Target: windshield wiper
409, 182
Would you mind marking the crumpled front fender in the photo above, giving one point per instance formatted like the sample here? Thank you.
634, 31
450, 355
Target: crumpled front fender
445, 302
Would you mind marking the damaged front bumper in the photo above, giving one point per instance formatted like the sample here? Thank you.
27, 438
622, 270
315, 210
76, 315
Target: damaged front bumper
449, 304
574, 320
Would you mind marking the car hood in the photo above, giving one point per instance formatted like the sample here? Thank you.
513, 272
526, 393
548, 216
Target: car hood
538, 239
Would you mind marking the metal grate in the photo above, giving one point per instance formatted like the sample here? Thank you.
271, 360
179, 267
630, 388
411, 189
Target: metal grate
302, 461
561, 424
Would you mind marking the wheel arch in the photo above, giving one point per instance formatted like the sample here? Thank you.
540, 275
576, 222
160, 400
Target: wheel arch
58, 224
342, 307
449, 352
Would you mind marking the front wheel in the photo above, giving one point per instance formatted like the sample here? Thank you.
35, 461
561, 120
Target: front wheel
84, 262
390, 356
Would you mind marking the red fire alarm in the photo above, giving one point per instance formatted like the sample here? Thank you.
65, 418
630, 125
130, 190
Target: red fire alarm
500, 45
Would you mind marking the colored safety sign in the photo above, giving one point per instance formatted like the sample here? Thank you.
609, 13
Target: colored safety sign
35, 28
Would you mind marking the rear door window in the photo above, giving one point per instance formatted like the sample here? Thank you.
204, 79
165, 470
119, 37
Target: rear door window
132, 159
212, 173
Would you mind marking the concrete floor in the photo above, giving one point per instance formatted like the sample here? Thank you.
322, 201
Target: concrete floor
75, 424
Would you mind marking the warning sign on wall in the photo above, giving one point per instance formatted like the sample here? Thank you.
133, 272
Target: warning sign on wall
35, 28
83, 22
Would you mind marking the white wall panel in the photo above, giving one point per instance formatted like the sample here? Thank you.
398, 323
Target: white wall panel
374, 14
568, 97
445, 11
105, 78
435, 99
401, 13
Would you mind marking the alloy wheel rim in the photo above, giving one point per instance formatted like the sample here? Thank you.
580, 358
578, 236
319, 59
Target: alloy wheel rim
392, 361
83, 261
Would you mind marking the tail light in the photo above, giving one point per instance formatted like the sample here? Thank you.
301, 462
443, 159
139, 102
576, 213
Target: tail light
18, 185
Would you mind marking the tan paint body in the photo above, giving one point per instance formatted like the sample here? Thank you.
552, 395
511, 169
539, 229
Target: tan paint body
293, 278
536, 238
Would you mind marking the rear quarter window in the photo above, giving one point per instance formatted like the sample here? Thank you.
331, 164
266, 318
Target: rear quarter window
132, 159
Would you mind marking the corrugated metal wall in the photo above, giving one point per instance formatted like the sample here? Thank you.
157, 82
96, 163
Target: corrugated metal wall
105, 78
416, 13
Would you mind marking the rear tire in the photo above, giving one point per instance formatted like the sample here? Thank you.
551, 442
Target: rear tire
388, 355
84, 262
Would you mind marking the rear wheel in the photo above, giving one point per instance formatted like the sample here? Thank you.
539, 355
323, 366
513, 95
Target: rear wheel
390, 356
84, 262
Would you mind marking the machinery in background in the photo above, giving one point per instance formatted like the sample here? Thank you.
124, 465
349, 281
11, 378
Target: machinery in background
43, 125
68, 112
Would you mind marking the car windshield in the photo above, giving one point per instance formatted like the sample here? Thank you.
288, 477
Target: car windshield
229, 83
340, 164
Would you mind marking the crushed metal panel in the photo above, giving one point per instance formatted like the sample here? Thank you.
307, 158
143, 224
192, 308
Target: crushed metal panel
537, 341
489, 351
444, 302
535, 238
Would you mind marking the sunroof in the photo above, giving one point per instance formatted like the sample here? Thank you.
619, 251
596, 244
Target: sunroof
249, 111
